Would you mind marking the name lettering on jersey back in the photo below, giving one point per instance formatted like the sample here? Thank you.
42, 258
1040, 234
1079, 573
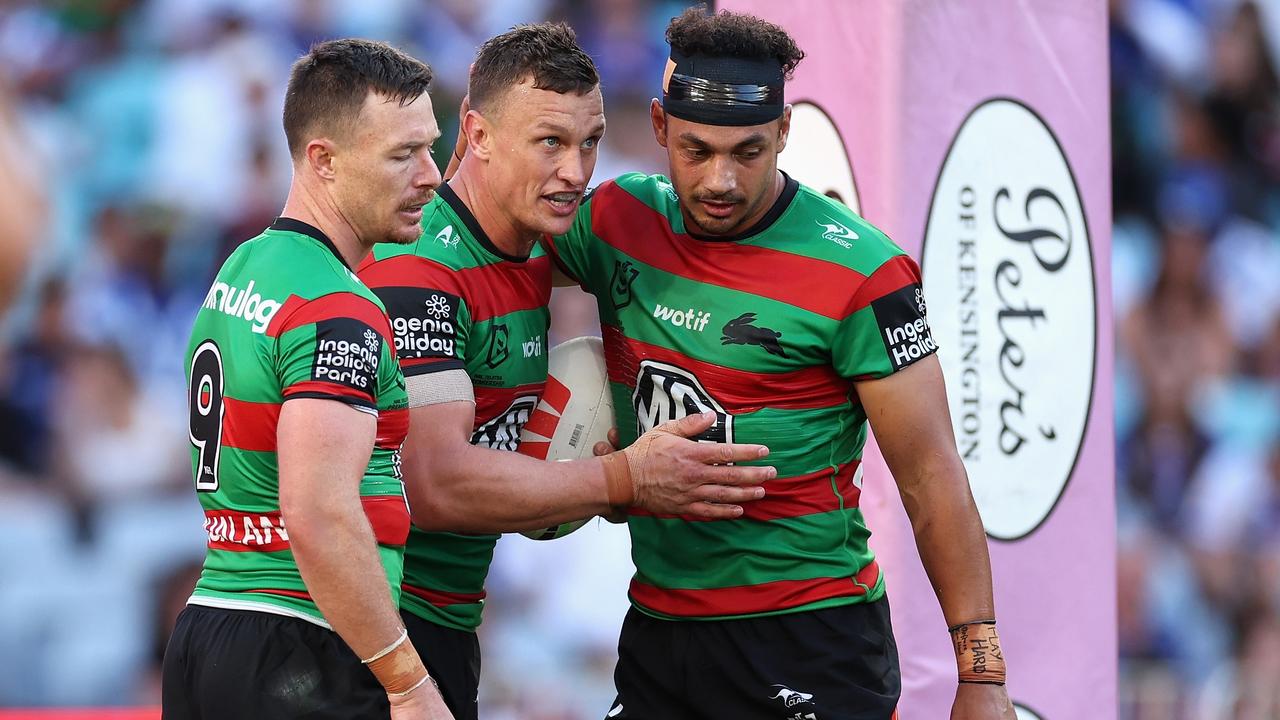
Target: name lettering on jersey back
690, 319
254, 532
245, 304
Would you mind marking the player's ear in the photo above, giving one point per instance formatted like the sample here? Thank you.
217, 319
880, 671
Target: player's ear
319, 157
479, 134
784, 128
658, 117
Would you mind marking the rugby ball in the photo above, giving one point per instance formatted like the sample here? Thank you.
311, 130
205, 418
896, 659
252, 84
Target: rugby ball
574, 413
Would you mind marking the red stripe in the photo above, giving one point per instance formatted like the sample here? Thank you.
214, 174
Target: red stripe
441, 598
534, 449
739, 391
410, 363
506, 287
327, 307
389, 517
287, 593
265, 532
491, 401
489, 290
793, 497
542, 423
748, 599
327, 388
896, 273
249, 425
291, 305
393, 426
412, 271
634, 228
556, 394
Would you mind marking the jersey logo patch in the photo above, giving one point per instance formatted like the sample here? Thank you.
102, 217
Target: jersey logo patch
447, 237
499, 339
620, 286
424, 321
347, 353
665, 392
503, 431
742, 331
838, 233
904, 329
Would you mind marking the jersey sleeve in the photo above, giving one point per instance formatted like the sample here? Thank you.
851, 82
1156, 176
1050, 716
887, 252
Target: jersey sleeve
430, 319
886, 327
571, 252
331, 348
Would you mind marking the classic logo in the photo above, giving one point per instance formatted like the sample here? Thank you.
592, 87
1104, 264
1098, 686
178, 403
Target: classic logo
503, 432
666, 392
499, 335
447, 237
742, 331
666, 187
837, 232
1009, 273
689, 319
815, 155
245, 304
790, 697
620, 286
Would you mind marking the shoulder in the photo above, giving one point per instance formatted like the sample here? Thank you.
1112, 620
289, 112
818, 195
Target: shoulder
826, 229
654, 191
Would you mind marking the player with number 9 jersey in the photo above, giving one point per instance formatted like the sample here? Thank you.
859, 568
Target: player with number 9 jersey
285, 318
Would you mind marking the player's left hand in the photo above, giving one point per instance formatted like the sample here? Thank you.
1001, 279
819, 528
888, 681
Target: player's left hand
604, 448
982, 702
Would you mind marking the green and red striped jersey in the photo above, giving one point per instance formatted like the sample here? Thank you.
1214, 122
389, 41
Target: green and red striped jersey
769, 330
458, 302
285, 318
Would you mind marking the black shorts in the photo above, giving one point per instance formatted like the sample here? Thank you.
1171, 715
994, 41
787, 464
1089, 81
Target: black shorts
835, 664
243, 664
453, 659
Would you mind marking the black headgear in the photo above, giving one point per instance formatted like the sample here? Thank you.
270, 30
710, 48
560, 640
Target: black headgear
715, 90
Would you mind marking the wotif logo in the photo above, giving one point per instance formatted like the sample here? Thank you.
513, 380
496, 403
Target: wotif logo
245, 304
689, 319
1008, 270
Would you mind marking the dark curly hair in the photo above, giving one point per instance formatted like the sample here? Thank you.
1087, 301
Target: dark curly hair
547, 52
730, 34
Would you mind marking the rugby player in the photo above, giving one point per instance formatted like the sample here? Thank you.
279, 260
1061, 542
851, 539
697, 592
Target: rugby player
298, 411
731, 288
468, 306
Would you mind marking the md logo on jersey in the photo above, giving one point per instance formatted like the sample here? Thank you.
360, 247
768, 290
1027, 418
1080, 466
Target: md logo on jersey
665, 392
620, 286
447, 237
742, 331
838, 233
499, 338
503, 431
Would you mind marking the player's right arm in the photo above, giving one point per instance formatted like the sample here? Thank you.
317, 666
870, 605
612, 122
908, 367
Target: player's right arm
454, 485
324, 439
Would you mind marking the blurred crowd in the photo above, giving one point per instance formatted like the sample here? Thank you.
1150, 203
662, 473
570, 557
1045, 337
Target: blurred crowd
148, 132
1196, 259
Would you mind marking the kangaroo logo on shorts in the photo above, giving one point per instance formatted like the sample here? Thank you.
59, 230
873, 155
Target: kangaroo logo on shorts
665, 392
503, 431
790, 697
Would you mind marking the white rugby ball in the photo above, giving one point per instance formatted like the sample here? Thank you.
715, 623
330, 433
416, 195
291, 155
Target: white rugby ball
574, 413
